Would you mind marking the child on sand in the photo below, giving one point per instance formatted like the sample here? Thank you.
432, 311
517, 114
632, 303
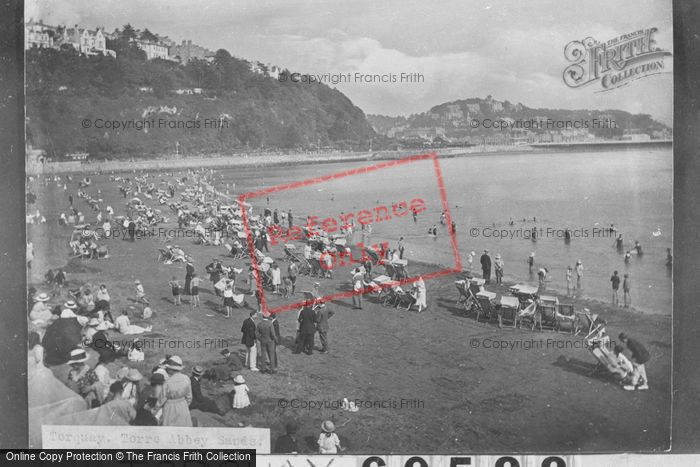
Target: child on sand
194, 289
328, 441
175, 286
240, 393
140, 293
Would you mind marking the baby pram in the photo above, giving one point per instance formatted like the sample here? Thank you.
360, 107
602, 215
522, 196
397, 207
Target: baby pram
315, 263
373, 255
400, 269
290, 250
236, 250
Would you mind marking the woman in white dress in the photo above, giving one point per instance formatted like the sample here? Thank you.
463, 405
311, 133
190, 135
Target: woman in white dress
276, 278
124, 326
421, 294
240, 393
328, 441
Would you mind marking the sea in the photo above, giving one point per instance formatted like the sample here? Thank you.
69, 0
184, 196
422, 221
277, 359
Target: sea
495, 200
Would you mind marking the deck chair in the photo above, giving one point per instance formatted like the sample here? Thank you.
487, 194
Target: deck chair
390, 297
606, 362
508, 312
528, 315
598, 343
465, 297
487, 308
565, 315
405, 299
164, 254
547, 315
377, 287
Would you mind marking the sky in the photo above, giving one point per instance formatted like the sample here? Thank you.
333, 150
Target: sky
512, 50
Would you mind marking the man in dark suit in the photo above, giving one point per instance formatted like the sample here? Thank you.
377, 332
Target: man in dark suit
248, 339
215, 269
200, 402
307, 329
268, 343
486, 266
323, 314
287, 443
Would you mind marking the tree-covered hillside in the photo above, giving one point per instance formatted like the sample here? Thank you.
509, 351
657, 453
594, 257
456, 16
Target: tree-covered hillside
255, 111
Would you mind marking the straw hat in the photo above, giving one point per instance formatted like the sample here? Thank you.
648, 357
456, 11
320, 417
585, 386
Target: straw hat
328, 426
532, 255
198, 371
473, 253
67, 314
498, 256
77, 356
134, 375
239, 379
137, 281
42, 297
578, 261
122, 372
174, 363
71, 305
93, 322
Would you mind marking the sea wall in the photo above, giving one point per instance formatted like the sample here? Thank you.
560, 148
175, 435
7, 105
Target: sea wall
212, 161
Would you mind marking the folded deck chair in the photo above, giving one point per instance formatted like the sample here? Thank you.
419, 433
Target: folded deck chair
528, 315
465, 298
565, 315
391, 298
405, 299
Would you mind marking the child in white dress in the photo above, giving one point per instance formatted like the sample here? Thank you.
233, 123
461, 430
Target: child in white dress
240, 393
328, 441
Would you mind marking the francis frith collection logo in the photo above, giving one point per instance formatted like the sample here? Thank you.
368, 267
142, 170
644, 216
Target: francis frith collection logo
614, 63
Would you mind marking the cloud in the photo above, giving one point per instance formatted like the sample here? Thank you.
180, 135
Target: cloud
512, 50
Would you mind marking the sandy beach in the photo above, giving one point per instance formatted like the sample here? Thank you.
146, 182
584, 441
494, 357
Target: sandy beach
437, 381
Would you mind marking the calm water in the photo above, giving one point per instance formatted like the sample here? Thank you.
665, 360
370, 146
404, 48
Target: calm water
581, 191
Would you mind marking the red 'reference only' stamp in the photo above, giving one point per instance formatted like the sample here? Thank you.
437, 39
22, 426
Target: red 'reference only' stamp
327, 235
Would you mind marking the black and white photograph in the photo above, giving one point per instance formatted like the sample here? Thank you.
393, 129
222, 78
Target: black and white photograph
348, 228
